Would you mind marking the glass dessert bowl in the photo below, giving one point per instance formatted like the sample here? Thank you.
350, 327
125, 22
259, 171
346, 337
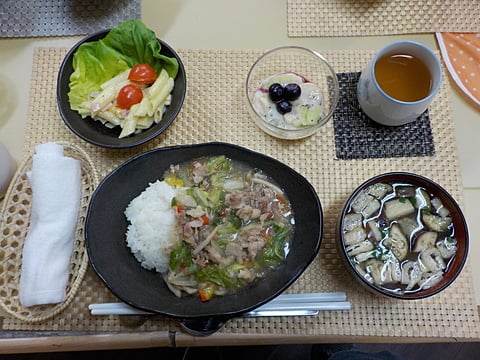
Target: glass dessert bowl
291, 92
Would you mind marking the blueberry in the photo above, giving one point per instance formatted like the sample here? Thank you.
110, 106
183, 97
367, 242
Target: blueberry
292, 92
276, 92
284, 107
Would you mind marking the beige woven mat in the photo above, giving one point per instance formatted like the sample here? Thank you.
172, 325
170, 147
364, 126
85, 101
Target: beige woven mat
380, 17
215, 110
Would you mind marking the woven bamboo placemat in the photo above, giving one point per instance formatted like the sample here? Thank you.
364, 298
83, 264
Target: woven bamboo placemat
25, 18
380, 17
215, 109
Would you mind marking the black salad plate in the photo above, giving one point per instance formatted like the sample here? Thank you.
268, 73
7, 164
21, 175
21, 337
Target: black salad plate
95, 132
112, 260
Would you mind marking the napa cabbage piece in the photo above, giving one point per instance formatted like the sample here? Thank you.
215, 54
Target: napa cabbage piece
96, 62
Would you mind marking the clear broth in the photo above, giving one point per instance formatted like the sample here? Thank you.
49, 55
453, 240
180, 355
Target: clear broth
409, 193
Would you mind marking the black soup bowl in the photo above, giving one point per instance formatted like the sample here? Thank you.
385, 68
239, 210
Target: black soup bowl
123, 275
410, 233
95, 132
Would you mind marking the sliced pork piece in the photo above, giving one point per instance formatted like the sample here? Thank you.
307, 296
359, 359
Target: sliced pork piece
372, 254
379, 271
395, 269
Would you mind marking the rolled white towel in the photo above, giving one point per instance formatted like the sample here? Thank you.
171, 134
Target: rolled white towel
56, 188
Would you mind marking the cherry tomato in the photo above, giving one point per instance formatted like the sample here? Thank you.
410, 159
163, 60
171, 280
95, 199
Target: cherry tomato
142, 74
129, 95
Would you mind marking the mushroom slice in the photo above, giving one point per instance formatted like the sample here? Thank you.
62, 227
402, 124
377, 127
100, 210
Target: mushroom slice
447, 247
395, 269
383, 272
422, 199
364, 274
406, 191
425, 240
432, 260
439, 208
379, 190
409, 226
371, 208
360, 201
354, 236
377, 234
356, 249
430, 280
378, 270
397, 208
352, 221
366, 256
435, 222
397, 242
411, 274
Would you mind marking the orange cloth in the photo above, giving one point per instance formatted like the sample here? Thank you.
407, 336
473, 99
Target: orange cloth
461, 53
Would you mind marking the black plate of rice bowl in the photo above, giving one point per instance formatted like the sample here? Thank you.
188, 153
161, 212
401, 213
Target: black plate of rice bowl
113, 261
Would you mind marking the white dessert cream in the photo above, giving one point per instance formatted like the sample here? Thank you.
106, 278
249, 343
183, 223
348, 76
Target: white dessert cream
289, 101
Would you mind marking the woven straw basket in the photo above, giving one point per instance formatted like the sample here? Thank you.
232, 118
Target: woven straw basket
16, 214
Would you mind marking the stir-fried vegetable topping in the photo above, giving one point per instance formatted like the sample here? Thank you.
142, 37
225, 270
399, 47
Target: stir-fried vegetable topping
233, 225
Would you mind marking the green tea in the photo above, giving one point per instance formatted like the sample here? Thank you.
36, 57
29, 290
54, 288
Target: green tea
403, 76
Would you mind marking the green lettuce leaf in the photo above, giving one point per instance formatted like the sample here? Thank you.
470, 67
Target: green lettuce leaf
126, 45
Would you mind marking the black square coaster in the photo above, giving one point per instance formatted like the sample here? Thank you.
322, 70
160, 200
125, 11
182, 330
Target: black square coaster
359, 137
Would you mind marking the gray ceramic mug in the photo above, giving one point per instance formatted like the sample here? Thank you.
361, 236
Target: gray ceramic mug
385, 109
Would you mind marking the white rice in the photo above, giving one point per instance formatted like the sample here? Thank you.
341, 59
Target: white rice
152, 223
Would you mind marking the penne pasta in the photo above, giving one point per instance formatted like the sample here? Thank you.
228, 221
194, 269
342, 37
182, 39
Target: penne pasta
158, 115
145, 107
140, 116
120, 78
160, 97
129, 127
158, 84
144, 123
109, 116
102, 100
149, 103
